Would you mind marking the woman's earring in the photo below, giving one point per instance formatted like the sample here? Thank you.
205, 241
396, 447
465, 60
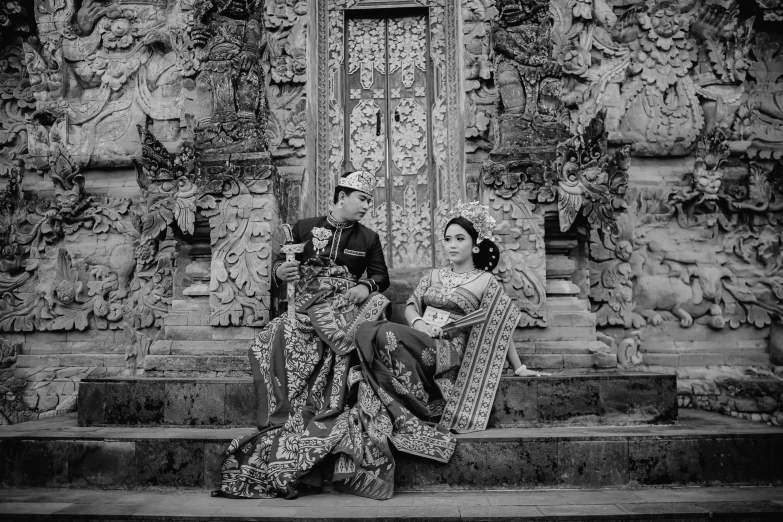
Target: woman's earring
340, 204
475, 250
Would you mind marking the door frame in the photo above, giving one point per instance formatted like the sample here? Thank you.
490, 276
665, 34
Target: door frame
325, 98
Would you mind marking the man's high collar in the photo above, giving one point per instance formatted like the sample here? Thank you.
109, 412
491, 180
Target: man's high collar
338, 224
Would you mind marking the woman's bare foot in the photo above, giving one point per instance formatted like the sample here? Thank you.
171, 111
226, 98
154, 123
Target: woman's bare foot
522, 371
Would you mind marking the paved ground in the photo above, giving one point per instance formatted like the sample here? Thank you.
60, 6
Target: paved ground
606, 504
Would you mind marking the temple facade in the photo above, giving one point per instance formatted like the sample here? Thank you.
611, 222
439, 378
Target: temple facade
631, 152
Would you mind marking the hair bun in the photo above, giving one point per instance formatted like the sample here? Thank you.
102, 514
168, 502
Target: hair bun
487, 257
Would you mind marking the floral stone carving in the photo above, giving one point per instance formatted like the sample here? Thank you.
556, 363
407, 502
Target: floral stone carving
666, 71
16, 105
239, 199
481, 94
662, 112
763, 109
286, 24
103, 68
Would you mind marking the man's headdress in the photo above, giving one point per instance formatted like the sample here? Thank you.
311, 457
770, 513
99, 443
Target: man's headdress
359, 180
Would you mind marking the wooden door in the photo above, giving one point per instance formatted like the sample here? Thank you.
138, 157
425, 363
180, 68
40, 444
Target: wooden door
388, 131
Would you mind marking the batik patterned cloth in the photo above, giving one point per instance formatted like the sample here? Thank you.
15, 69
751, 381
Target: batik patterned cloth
469, 361
304, 374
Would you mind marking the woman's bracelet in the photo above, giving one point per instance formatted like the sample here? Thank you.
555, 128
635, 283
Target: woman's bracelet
420, 318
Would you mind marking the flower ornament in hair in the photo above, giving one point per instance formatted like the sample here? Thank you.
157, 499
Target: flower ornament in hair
479, 217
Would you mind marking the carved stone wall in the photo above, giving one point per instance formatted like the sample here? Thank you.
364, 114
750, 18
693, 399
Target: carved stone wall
178, 90
689, 284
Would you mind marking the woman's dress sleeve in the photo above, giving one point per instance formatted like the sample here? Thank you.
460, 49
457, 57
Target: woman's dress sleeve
417, 299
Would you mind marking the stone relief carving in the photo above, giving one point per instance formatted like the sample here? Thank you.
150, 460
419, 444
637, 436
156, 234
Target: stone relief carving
286, 33
480, 91
586, 179
773, 9
228, 41
237, 197
14, 16
510, 189
520, 236
45, 288
686, 66
104, 68
662, 114
762, 111
703, 252
526, 76
16, 105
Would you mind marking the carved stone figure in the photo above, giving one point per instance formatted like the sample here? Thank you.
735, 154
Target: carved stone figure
698, 294
526, 76
662, 112
585, 178
104, 68
228, 40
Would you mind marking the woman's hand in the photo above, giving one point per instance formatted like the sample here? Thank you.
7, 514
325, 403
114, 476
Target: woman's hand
432, 330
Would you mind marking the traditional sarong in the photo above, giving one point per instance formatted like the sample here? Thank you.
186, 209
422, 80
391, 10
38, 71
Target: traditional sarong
470, 401
305, 375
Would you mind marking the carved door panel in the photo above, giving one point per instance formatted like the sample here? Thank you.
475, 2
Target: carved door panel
388, 131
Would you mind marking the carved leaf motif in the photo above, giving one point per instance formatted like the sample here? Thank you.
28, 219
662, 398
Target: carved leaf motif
185, 212
377, 220
366, 37
411, 230
407, 40
568, 206
160, 214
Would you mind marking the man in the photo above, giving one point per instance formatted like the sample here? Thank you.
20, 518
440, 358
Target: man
351, 244
301, 370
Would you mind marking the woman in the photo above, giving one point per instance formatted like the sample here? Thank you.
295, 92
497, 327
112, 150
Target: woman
448, 362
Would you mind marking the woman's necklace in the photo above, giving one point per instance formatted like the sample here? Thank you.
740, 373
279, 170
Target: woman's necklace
451, 279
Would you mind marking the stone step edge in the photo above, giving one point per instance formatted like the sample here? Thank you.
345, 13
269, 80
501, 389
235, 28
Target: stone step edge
238, 348
554, 377
489, 436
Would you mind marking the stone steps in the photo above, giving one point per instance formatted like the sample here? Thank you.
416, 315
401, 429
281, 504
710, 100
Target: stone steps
702, 449
694, 504
588, 399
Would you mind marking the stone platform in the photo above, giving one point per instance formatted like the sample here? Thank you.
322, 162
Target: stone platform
701, 449
693, 504
618, 398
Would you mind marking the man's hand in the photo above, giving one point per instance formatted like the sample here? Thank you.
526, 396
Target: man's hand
357, 295
288, 271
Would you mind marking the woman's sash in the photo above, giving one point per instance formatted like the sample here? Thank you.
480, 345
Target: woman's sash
470, 402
